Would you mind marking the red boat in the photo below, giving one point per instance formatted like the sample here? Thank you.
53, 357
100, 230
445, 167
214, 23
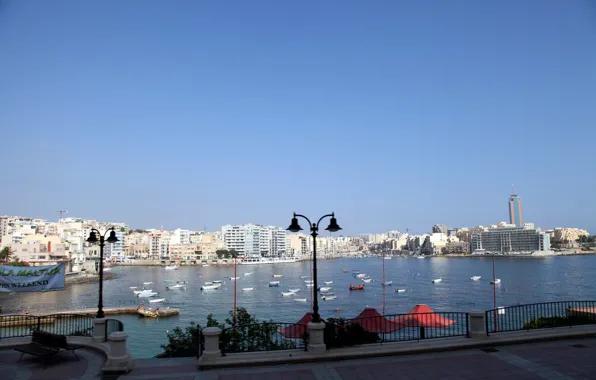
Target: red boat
357, 287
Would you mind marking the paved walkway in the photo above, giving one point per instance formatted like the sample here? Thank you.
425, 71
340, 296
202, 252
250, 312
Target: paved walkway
564, 359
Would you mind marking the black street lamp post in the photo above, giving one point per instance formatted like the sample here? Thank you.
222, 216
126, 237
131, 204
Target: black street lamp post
314, 228
93, 239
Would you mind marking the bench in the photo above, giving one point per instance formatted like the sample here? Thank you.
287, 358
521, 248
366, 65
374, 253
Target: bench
45, 344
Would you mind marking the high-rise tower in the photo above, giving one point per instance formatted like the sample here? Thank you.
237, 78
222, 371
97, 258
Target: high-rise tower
515, 209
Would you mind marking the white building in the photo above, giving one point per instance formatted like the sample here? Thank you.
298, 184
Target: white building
179, 236
252, 239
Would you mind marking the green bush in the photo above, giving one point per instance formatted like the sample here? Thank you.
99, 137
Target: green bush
338, 333
547, 322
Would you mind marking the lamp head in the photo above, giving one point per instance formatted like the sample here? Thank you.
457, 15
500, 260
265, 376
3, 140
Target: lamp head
92, 237
294, 227
333, 226
112, 238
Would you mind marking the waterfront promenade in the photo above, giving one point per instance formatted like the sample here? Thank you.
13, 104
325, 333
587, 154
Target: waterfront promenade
562, 359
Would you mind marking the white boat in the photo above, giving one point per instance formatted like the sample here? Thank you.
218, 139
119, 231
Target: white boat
156, 300
217, 281
255, 260
496, 281
310, 285
330, 297
437, 280
205, 265
388, 258
303, 277
277, 275
248, 274
173, 267
308, 281
300, 299
285, 294
420, 257
328, 282
360, 275
176, 286
387, 283
210, 287
142, 291
247, 289
367, 280
294, 290
234, 278
475, 278
325, 289
132, 287
273, 283
147, 283
400, 290
147, 294
107, 269
208, 283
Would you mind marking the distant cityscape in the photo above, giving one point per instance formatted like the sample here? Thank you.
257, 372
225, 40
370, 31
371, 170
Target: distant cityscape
42, 242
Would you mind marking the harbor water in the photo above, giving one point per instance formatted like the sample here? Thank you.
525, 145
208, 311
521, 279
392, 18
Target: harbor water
523, 280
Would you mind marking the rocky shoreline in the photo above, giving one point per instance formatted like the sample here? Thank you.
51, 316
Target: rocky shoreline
87, 278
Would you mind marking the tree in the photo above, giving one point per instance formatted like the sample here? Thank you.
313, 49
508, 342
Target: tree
226, 254
17, 263
5, 254
444, 251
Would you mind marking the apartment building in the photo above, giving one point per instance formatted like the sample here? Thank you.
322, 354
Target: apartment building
510, 240
251, 239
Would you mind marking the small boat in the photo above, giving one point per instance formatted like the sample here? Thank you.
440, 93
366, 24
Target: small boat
310, 285
325, 289
367, 280
182, 282
303, 277
294, 290
247, 289
360, 275
217, 281
420, 257
345, 271
273, 283
147, 283
329, 297
156, 300
285, 294
277, 275
357, 287
147, 312
496, 281
300, 299
387, 283
328, 282
308, 281
437, 280
400, 290
387, 258
209, 283
475, 278
248, 274
234, 278
142, 291
107, 269
329, 293
205, 265
132, 287
173, 267
147, 294
177, 286
210, 287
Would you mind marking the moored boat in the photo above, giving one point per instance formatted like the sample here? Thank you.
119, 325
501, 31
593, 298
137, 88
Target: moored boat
367, 280
496, 281
285, 294
217, 281
210, 287
400, 290
172, 267
247, 289
345, 271
475, 278
303, 277
156, 300
360, 275
437, 280
324, 289
300, 299
387, 283
147, 283
273, 283
248, 274
147, 294
176, 286
329, 297
294, 290
277, 275
148, 312
328, 282
357, 287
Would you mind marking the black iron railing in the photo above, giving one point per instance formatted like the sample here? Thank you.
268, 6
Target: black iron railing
112, 325
12, 326
200, 342
268, 336
395, 328
540, 315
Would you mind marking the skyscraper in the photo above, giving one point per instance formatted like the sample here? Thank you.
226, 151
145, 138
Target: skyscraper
515, 209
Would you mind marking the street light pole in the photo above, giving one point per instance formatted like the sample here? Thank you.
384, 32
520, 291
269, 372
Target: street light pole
314, 228
93, 239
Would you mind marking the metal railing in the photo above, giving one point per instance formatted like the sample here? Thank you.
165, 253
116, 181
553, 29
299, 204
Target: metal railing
267, 336
200, 342
396, 328
112, 325
540, 316
13, 326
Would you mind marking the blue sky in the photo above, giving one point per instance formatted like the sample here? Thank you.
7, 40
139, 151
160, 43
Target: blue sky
393, 114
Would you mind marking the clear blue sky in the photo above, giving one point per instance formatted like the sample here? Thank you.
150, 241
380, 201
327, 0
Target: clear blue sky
393, 114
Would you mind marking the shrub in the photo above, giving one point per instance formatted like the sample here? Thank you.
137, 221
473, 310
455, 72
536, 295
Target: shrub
338, 333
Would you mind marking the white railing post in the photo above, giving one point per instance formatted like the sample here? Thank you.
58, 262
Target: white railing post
477, 325
119, 358
316, 340
211, 349
99, 330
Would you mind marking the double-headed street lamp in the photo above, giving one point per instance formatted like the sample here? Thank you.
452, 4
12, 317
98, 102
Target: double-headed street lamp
314, 228
93, 239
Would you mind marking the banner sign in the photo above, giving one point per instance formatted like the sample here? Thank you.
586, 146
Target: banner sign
31, 279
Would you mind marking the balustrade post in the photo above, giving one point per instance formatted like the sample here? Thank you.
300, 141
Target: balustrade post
211, 349
99, 330
119, 359
316, 340
477, 325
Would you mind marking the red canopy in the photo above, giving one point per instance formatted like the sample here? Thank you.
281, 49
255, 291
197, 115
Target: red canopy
372, 321
298, 329
423, 316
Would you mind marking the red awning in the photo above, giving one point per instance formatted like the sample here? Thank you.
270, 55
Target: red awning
297, 330
372, 321
423, 316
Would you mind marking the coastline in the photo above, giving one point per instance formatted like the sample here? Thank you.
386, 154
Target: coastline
77, 279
